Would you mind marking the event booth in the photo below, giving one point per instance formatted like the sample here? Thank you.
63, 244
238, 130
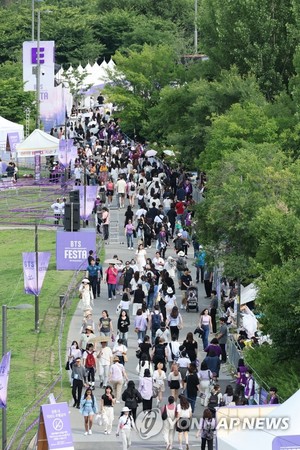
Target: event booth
11, 133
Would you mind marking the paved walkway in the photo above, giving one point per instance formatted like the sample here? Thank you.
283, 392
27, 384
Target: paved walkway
190, 321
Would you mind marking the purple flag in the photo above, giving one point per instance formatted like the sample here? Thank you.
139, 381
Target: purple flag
29, 269
91, 194
66, 152
13, 139
4, 374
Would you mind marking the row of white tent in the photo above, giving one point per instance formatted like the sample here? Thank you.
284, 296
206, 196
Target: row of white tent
96, 75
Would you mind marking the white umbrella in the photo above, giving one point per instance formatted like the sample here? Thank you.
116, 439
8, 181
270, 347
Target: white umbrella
112, 261
150, 153
169, 152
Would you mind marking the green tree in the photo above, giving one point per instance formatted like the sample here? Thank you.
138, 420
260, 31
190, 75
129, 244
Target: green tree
279, 294
255, 36
13, 98
241, 124
138, 82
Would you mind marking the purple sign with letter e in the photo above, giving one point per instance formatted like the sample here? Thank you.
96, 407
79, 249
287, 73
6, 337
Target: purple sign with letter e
286, 443
58, 427
72, 248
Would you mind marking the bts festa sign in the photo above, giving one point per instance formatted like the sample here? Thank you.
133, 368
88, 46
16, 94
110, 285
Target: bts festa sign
72, 249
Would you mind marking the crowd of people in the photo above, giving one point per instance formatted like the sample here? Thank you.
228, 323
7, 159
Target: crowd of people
154, 293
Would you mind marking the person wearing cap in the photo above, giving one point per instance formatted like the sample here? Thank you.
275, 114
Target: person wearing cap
86, 335
93, 275
86, 294
125, 425
117, 375
87, 321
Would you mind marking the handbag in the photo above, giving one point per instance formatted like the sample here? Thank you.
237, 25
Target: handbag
164, 414
155, 391
118, 310
125, 357
67, 367
134, 232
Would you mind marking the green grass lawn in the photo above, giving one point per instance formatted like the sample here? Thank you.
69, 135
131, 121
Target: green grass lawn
34, 363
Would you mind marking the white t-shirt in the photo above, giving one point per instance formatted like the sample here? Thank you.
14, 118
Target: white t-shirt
184, 413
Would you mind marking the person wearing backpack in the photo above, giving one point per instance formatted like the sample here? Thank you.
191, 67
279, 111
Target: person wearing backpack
207, 426
159, 354
132, 398
214, 399
89, 362
156, 318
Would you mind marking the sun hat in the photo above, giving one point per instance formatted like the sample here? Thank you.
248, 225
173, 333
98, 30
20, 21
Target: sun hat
90, 328
116, 358
181, 253
85, 280
169, 290
126, 409
88, 313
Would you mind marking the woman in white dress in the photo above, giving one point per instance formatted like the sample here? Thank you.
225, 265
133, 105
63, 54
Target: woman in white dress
141, 257
86, 295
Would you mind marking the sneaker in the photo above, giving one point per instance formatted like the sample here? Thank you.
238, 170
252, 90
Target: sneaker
181, 307
105, 432
128, 248
86, 433
109, 299
117, 401
131, 248
109, 432
180, 447
90, 432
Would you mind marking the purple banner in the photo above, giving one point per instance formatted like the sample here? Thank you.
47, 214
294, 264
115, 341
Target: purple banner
57, 425
4, 374
286, 443
13, 139
91, 194
67, 151
29, 269
72, 248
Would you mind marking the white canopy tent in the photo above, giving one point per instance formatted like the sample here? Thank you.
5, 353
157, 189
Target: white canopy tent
248, 293
247, 439
38, 143
6, 126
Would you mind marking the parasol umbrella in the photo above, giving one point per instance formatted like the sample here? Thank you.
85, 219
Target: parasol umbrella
150, 153
112, 261
95, 339
169, 152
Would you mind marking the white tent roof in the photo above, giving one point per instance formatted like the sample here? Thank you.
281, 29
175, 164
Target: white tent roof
6, 126
249, 438
248, 293
38, 143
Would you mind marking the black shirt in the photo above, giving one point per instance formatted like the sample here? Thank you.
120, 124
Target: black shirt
187, 279
192, 382
107, 401
139, 296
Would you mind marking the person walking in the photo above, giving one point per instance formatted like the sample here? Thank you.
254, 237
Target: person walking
79, 380
86, 295
184, 415
104, 361
206, 326
205, 376
125, 425
191, 385
117, 375
129, 232
159, 377
175, 322
168, 413
222, 338
93, 275
123, 325
105, 223
174, 381
132, 398
56, 207
213, 308
88, 408
105, 326
107, 409
111, 280
90, 364
207, 426
146, 390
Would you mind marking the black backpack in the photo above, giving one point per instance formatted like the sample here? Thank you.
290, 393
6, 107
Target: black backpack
159, 352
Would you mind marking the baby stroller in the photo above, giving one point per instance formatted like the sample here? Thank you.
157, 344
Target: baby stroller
192, 299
